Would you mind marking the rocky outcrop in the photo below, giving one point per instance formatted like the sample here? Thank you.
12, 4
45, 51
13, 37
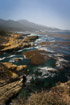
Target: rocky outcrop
15, 42
30, 38
37, 57
11, 80
18, 59
9, 90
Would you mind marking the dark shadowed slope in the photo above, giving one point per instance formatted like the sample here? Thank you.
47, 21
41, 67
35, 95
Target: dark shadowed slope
23, 25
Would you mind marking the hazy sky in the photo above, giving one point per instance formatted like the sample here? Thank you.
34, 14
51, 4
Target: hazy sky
53, 13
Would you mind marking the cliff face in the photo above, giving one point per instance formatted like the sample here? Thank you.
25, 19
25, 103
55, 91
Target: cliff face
11, 80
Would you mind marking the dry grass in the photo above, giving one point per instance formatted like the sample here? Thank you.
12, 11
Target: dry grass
58, 95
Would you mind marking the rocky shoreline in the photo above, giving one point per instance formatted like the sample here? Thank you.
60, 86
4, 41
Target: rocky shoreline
15, 78
16, 42
11, 76
11, 80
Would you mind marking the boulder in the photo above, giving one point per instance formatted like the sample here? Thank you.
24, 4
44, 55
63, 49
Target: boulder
30, 38
18, 59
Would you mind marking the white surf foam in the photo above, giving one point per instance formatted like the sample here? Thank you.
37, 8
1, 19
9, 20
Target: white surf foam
2, 58
46, 70
10, 56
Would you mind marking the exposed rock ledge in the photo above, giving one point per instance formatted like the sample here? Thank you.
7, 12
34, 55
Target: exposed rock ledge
14, 43
30, 38
11, 80
9, 90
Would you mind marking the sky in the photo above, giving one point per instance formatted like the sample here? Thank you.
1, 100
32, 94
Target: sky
52, 13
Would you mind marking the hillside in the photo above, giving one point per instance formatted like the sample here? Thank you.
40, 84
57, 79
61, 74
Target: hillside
23, 25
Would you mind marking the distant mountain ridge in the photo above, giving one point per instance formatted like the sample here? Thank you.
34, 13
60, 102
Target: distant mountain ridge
23, 25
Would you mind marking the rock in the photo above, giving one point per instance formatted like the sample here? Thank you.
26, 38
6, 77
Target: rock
20, 70
11, 80
16, 46
18, 59
8, 90
30, 38
15, 42
37, 57
25, 45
